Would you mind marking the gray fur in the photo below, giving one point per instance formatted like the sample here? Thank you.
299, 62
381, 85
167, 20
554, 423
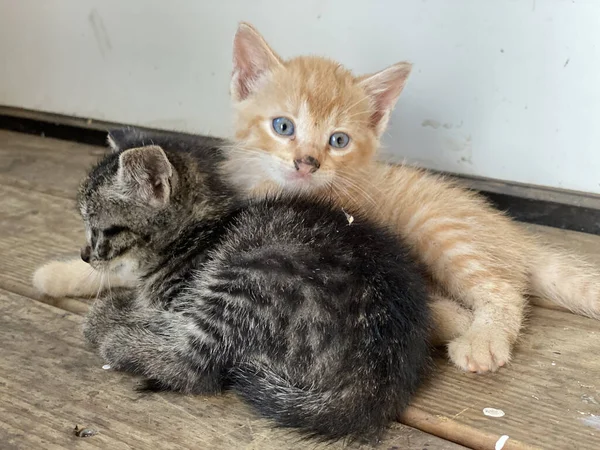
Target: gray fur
319, 324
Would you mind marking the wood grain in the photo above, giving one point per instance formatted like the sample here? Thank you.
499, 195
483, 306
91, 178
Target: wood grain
50, 382
45, 165
35, 227
549, 393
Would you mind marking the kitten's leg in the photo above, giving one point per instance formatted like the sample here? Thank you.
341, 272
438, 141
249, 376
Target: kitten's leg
498, 312
76, 278
450, 319
166, 347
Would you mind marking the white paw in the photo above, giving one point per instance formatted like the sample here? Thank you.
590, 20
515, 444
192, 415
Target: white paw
72, 278
482, 349
52, 279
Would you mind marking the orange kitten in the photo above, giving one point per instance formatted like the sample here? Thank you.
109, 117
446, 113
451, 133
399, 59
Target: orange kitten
307, 123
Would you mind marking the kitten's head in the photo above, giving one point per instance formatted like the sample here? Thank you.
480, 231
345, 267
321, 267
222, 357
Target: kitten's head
305, 120
125, 202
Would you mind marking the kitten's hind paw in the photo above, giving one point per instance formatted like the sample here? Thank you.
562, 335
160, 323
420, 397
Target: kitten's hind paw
480, 350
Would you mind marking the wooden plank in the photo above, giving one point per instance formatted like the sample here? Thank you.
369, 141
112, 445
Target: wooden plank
550, 393
35, 227
49, 382
45, 165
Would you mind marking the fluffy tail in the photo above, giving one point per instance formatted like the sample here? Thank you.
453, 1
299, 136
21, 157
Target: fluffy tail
330, 415
566, 281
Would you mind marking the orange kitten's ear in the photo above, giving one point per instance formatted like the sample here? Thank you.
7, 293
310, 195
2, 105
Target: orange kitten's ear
384, 88
252, 59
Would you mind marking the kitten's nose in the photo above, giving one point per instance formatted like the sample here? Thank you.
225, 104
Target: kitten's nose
307, 165
85, 253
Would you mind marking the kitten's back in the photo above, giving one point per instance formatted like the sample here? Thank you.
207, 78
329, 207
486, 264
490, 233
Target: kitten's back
334, 319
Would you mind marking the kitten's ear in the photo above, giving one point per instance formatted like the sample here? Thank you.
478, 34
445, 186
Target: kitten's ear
145, 173
384, 88
252, 59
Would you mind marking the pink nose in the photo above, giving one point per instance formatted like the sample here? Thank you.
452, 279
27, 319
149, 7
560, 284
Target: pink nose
307, 165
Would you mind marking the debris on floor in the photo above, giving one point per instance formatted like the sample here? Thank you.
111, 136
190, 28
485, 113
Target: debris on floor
84, 432
349, 217
500, 442
493, 412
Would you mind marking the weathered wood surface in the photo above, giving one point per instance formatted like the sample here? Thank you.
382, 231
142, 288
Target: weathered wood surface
45, 165
550, 394
547, 405
50, 382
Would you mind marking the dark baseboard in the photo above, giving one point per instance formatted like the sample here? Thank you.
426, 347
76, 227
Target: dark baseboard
53, 130
543, 212
567, 210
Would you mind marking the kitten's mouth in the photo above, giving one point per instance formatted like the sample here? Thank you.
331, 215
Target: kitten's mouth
300, 177
299, 180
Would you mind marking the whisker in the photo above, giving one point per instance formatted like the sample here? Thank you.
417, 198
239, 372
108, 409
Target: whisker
101, 273
349, 184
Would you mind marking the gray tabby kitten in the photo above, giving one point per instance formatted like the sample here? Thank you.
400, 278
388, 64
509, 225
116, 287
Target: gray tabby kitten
319, 324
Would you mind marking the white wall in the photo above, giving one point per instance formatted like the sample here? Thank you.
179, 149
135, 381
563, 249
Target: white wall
507, 89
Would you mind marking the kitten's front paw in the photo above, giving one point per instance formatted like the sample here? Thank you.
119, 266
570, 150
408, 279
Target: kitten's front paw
72, 278
51, 279
480, 350
96, 325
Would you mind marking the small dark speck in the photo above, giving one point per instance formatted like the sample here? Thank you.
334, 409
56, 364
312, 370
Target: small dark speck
212, 74
526, 107
319, 16
566, 62
501, 50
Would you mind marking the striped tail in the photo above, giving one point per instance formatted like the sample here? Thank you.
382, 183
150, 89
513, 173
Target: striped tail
566, 281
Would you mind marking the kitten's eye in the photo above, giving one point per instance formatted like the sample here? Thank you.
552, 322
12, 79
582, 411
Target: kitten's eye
339, 140
283, 126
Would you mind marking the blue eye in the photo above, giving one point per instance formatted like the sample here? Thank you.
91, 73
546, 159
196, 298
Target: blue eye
339, 140
283, 126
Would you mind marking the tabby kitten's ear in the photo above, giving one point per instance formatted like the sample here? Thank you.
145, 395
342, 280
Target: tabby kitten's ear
252, 60
145, 173
384, 88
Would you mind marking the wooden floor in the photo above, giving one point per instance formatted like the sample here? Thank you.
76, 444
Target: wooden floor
49, 381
